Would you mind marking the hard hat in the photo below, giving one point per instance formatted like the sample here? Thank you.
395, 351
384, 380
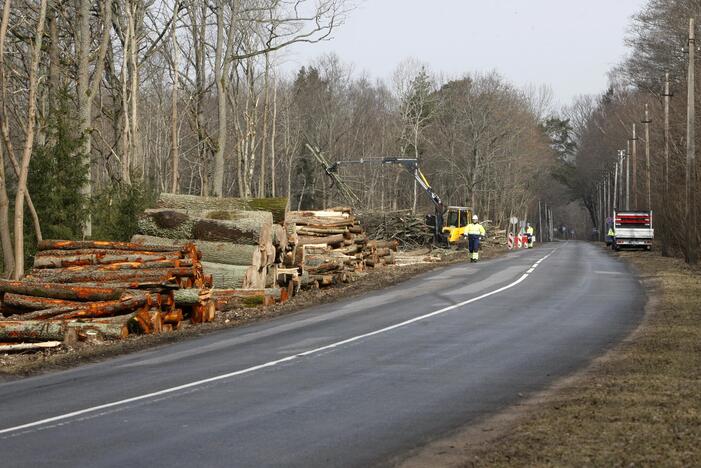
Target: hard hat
474, 218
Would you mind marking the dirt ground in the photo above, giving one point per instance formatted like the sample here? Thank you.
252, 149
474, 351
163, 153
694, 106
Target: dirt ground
639, 405
16, 365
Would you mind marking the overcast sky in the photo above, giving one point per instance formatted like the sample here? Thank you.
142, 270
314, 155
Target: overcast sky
568, 44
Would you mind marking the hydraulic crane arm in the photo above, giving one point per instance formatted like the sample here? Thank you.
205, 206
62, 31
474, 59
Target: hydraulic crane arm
411, 165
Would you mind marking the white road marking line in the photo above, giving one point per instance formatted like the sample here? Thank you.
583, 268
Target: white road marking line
531, 270
249, 370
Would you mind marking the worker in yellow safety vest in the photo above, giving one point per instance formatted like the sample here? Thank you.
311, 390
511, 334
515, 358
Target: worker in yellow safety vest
611, 238
530, 234
474, 232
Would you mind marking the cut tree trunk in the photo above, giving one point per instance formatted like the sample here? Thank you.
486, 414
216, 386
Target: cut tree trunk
226, 276
214, 252
255, 278
226, 299
244, 231
173, 317
334, 241
11, 347
43, 314
28, 303
188, 297
106, 309
195, 204
65, 261
156, 274
60, 291
79, 245
172, 218
145, 267
203, 312
43, 330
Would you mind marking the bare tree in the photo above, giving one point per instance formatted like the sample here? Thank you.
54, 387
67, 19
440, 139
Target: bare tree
414, 88
87, 86
28, 142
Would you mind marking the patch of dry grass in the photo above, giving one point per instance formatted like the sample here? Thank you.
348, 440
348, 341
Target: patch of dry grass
641, 405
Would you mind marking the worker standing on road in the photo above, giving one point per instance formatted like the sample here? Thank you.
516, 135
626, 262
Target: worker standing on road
474, 232
530, 235
611, 235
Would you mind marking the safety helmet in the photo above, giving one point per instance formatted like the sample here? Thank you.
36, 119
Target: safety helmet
474, 218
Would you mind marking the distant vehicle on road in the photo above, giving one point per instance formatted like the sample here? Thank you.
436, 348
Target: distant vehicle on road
633, 229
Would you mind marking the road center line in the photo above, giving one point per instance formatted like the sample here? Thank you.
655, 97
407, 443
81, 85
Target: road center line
249, 370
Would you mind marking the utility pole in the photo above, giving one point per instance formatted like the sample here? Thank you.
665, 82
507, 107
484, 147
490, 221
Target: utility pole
691, 257
601, 208
628, 177
667, 96
608, 194
540, 224
634, 144
665, 195
621, 158
648, 184
615, 186
545, 209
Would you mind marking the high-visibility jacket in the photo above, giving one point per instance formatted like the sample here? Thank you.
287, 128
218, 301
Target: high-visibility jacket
611, 233
474, 229
529, 230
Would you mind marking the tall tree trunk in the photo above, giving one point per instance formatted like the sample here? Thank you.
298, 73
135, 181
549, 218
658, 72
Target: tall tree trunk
174, 134
222, 61
416, 156
136, 148
4, 125
5, 239
87, 89
28, 144
272, 142
126, 117
54, 80
264, 140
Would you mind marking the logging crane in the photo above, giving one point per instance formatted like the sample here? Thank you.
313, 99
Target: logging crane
457, 217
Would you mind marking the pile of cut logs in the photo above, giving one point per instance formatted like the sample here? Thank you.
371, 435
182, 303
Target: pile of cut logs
236, 236
93, 290
242, 242
330, 246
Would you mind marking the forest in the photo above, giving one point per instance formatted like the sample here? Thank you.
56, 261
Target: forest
105, 104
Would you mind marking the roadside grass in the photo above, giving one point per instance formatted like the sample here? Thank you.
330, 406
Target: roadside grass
640, 405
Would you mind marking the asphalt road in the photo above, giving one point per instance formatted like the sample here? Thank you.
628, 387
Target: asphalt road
354, 383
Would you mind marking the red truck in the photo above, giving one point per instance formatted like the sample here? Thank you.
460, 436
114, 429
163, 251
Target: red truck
633, 229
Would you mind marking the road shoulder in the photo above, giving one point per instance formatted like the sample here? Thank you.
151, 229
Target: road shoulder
637, 404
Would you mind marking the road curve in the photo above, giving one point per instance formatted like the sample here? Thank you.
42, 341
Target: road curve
353, 383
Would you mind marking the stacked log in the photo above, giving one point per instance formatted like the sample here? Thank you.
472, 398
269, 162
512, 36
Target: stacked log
242, 241
381, 253
230, 232
330, 247
210, 206
89, 290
